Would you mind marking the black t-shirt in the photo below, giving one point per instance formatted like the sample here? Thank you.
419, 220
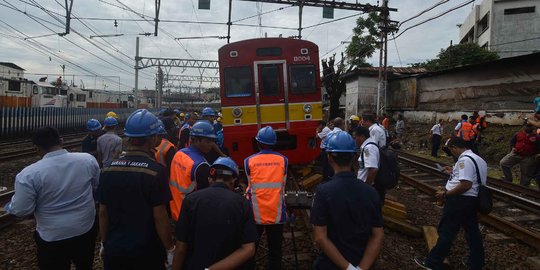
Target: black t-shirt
350, 209
184, 137
214, 222
130, 188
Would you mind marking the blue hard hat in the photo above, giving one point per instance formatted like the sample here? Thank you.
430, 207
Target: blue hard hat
226, 162
340, 142
176, 111
93, 125
267, 135
162, 130
208, 112
203, 129
188, 115
110, 121
141, 123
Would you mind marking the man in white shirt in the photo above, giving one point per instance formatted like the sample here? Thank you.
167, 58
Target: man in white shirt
59, 191
376, 132
339, 125
436, 136
460, 198
368, 160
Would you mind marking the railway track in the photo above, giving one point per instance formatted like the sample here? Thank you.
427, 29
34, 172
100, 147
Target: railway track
5, 219
17, 142
28, 152
513, 214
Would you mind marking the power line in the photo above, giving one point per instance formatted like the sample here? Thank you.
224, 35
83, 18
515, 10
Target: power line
515, 41
263, 13
435, 17
423, 11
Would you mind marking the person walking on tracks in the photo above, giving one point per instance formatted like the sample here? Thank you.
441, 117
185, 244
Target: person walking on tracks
266, 172
109, 145
346, 214
59, 191
189, 169
436, 133
216, 229
133, 197
460, 198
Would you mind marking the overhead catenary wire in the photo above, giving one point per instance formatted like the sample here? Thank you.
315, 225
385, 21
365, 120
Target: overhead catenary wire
435, 17
423, 12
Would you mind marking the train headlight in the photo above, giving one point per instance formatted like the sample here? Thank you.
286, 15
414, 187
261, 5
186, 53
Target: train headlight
237, 112
307, 108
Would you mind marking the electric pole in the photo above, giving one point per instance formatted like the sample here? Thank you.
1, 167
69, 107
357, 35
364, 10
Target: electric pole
386, 26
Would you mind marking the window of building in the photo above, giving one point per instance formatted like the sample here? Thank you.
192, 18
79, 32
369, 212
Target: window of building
521, 10
270, 81
81, 97
302, 79
14, 86
483, 24
238, 81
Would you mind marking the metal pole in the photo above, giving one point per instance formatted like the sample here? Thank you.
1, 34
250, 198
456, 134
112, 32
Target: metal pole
379, 84
300, 9
229, 23
385, 85
136, 90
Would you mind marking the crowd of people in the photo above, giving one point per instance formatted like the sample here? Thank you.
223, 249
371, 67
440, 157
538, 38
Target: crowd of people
173, 169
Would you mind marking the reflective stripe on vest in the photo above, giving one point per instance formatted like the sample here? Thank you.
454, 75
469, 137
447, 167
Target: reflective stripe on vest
466, 131
162, 150
266, 178
181, 181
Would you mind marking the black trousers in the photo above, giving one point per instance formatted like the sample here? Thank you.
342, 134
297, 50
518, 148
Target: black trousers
458, 212
328, 172
155, 262
274, 236
435, 144
58, 255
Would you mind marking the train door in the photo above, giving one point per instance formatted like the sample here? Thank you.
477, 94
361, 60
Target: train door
271, 88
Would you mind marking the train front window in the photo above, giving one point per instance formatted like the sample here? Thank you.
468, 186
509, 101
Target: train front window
302, 79
81, 97
238, 81
270, 83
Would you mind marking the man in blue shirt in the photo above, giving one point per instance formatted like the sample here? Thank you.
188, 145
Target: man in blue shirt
59, 191
346, 214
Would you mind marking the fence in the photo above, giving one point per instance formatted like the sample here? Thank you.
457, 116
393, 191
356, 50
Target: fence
21, 121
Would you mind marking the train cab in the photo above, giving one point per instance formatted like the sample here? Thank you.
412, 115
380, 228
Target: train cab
47, 95
271, 82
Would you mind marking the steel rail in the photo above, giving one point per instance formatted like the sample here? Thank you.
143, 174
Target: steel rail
491, 181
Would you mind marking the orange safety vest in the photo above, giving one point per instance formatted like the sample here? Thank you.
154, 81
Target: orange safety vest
267, 176
182, 179
161, 151
466, 132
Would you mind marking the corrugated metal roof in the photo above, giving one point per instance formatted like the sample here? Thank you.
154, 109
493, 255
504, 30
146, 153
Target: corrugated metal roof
401, 70
11, 65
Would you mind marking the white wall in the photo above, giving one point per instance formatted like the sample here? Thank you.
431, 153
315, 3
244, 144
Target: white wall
9, 73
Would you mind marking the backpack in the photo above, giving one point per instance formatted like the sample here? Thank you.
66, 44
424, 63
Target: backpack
388, 173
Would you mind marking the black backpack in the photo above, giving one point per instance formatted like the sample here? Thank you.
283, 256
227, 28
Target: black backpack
388, 173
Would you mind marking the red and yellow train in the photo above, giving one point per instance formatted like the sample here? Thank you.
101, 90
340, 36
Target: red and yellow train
271, 82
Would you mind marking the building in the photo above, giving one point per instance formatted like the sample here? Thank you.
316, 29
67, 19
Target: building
361, 87
11, 71
508, 27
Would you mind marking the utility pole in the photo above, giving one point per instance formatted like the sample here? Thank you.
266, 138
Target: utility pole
159, 87
136, 90
156, 19
386, 25
300, 9
229, 23
68, 7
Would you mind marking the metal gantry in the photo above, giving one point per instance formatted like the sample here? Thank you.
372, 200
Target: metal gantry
145, 62
191, 78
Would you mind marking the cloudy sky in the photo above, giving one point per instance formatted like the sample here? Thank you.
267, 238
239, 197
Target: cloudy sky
105, 61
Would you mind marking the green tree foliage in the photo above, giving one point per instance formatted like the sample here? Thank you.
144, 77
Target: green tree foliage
365, 40
458, 55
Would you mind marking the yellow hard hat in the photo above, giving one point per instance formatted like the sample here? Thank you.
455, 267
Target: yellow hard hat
354, 118
112, 114
182, 114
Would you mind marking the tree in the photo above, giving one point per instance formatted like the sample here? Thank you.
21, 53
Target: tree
334, 84
365, 40
458, 55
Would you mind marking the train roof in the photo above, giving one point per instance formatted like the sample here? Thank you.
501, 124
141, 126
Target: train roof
268, 42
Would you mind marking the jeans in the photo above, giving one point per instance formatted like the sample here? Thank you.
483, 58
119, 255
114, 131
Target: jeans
527, 166
274, 236
58, 255
458, 211
435, 144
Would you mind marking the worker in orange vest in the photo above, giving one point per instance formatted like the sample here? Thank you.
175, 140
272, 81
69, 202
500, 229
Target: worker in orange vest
266, 172
468, 134
165, 150
189, 168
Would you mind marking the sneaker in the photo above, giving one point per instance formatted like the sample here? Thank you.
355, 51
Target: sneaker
422, 263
